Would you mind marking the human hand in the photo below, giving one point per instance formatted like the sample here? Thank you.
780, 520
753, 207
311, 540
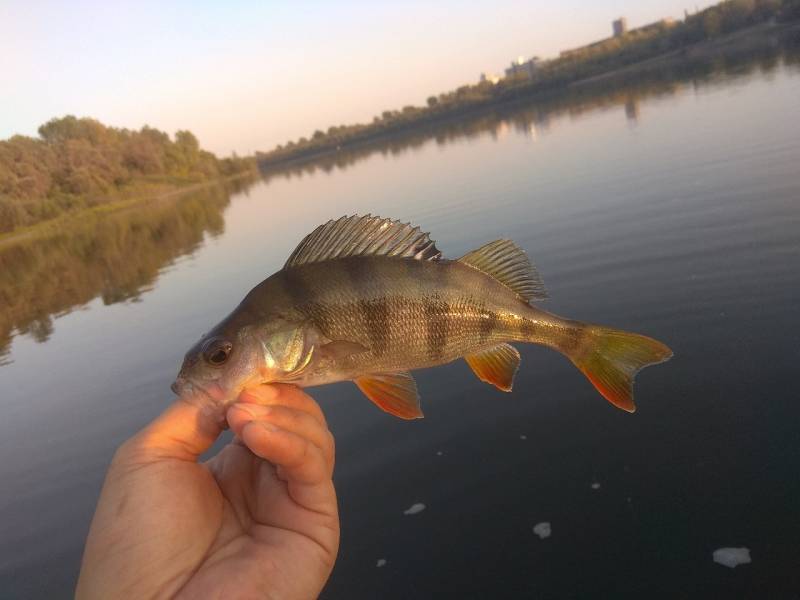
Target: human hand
259, 520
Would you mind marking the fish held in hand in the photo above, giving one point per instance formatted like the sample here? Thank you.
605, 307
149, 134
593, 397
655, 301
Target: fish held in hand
369, 299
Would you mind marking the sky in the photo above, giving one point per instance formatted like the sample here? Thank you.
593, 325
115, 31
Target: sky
245, 76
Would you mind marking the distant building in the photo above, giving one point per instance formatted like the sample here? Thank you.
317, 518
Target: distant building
654, 27
523, 68
490, 77
620, 27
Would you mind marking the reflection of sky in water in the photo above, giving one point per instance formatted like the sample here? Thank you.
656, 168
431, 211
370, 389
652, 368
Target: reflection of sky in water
683, 227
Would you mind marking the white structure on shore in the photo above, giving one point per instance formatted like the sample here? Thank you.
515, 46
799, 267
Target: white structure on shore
490, 77
523, 68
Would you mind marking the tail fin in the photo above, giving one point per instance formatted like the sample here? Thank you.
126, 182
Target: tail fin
611, 358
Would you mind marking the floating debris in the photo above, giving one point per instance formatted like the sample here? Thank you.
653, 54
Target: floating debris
543, 529
414, 509
596, 485
523, 437
732, 557
439, 453
381, 563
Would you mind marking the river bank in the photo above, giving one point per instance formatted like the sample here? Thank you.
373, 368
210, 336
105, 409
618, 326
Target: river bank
730, 46
151, 195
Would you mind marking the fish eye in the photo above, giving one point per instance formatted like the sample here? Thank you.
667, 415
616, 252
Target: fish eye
216, 351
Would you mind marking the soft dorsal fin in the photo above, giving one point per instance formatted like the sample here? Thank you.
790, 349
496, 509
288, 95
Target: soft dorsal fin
361, 236
508, 263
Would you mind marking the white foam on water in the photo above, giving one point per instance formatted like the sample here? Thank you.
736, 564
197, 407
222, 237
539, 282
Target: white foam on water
381, 563
596, 485
439, 453
732, 557
523, 437
414, 509
543, 529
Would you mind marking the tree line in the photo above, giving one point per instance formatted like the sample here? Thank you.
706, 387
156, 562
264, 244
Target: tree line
80, 163
553, 75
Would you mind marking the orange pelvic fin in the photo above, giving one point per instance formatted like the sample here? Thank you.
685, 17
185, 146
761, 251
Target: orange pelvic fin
396, 393
496, 365
611, 359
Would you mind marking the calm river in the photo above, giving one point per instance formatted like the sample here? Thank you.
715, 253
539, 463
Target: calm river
671, 209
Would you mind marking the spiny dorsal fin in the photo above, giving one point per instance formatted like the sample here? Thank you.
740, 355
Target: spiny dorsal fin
508, 263
361, 236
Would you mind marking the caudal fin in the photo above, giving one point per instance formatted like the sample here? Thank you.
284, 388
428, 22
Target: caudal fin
611, 359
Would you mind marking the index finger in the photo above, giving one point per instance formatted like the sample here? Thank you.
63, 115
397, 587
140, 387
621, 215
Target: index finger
286, 395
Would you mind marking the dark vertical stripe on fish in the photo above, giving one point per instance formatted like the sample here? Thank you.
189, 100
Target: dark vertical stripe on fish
488, 322
436, 313
527, 329
376, 318
304, 297
356, 272
298, 289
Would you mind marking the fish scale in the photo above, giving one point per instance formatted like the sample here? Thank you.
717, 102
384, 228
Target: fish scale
406, 290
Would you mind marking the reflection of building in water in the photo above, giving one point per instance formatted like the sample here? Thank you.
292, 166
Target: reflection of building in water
620, 27
524, 68
500, 130
632, 109
490, 77
531, 123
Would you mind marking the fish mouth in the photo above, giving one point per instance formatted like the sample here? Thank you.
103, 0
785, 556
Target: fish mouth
178, 385
185, 388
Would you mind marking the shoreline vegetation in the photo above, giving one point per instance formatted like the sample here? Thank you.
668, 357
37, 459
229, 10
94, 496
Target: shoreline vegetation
727, 64
116, 251
79, 164
662, 44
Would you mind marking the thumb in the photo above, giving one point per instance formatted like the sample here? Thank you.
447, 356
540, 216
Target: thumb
183, 432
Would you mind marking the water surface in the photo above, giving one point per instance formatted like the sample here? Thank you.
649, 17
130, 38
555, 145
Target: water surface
671, 209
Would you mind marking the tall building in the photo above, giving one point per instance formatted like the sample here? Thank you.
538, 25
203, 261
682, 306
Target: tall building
620, 27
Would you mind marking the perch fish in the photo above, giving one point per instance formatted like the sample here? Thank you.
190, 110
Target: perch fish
369, 299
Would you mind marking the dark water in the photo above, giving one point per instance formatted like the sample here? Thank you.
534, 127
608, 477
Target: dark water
671, 209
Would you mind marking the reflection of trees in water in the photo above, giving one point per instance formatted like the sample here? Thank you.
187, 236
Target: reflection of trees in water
535, 116
115, 256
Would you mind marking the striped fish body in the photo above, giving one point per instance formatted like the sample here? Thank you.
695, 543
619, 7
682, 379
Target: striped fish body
406, 314
369, 299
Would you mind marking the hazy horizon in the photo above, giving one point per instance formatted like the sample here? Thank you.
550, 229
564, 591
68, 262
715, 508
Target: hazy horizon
245, 78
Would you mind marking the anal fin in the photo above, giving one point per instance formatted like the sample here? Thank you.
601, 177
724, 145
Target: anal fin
497, 365
396, 393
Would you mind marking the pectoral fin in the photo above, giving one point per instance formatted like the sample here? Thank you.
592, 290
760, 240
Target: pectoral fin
496, 365
396, 393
